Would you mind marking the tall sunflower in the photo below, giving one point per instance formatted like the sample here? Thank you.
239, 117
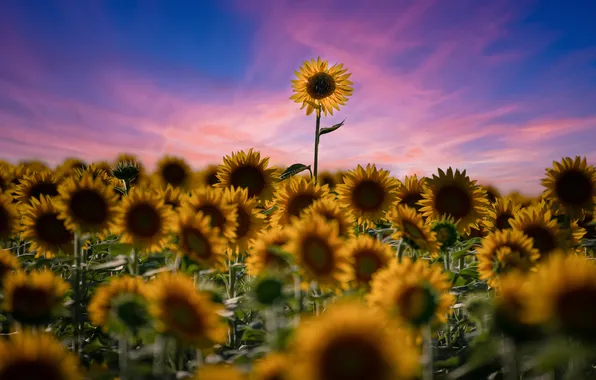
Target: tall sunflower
174, 171
539, 224
185, 313
262, 255
143, 220
293, 197
32, 298
454, 195
316, 247
212, 203
368, 256
247, 170
413, 230
8, 264
571, 185
249, 220
274, 366
500, 212
318, 85
36, 184
503, 251
329, 209
9, 217
367, 193
350, 341
409, 192
199, 241
41, 225
37, 355
208, 176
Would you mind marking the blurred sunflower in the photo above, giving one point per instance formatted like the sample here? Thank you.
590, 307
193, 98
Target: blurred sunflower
37, 355
35, 185
143, 220
492, 193
293, 197
6, 178
18, 172
367, 193
409, 192
32, 298
262, 254
274, 366
212, 203
101, 170
128, 168
69, 166
327, 178
218, 372
172, 196
523, 200
446, 231
318, 85
199, 241
247, 170
350, 341
41, 225
571, 185
182, 311
8, 264
499, 213
87, 205
35, 165
329, 209
454, 195
207, 176
413, 230
9, 217
415, 292
249, 221
503, 251
174, 171
368, 256
539, 224
316, 247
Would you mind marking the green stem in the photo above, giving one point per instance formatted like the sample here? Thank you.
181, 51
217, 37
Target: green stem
427, 355
135, 262
317, 131
447, 259
510, 360
77, 296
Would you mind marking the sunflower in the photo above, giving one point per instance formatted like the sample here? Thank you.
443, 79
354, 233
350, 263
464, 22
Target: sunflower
367, 193
35, 165
262, 255
571, 185
198, 241
9, 217
6, 176
446, 231
332, 212
492, 193
32, 356
274, 366
8, 264
327, 178
523, 200
249, 221
316, 246
18, 172
500, 212
182, 311
128, 168
293, 197
218, 372
502, 251
247, 170
212, 203
208, 176
409, 192
411, 228
35, 185
33, 298
539, 224
318, 85
41, 225
69, 166
454, 195
564, 295
415, 292
143, 220
101, 306
86, 204
350, 341
173, 171
172, 196
101, 170
368, 256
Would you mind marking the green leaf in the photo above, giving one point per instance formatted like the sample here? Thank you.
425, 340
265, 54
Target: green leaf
269, 210
293, 170
324, 131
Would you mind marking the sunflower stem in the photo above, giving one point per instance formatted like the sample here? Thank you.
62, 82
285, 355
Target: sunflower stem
76, 295
400, 251
447, 259
123, 357
427, 355
135, 262
510, 359
317, 137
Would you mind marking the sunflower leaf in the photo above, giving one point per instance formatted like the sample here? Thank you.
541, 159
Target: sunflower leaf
324, 131
293, 170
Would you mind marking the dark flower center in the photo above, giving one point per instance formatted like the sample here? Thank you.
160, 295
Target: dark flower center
366, 263
250, 178
5, 223
299, 203
143, 220
31, 369
51, 230
214, 213
412, 199
174, 174
243, 219
43, 188
320, 86
317, 255
417, 304
352, 357
31, 305
182, 317
89, 206
368, 196
196, 243
453, 201
502, 222
212, 178
576, 311
544, 241
574, 187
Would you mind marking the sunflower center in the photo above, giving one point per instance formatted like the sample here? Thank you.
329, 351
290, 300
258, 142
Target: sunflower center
544, 240
218, 220
368, 196
574, 187
248, 177
576, 311
352, 357
299, 203
502, 222
491, 196
366, 263
51, 230
317, 255
43, 188
212, 178
243, 219
417, 304
31, 305
453, 201
327, 180
143, 220
89, 206
412, 231
194, 241
174, 174
181, 316
31, 369
320, 86
4, 222
330, 218
412, 199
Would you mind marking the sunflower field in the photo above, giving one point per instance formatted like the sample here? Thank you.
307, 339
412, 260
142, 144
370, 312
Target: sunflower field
246, 271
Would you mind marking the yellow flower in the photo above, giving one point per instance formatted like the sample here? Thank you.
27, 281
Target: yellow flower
212, 203
539, 224
173, 171
249, 220
218, 372
368, 256
33, 356
412, 229
262, 256
328, 178
36, 184
293, 197
500, 212
330, 209
8, 264
69, 166
172, 196
208, 176
350, 341
409, 193
9, 217
318, 85
492, 194
274, 366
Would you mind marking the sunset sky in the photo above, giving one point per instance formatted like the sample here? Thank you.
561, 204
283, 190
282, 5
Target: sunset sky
500, 88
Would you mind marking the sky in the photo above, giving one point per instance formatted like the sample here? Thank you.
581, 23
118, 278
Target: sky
499, 88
